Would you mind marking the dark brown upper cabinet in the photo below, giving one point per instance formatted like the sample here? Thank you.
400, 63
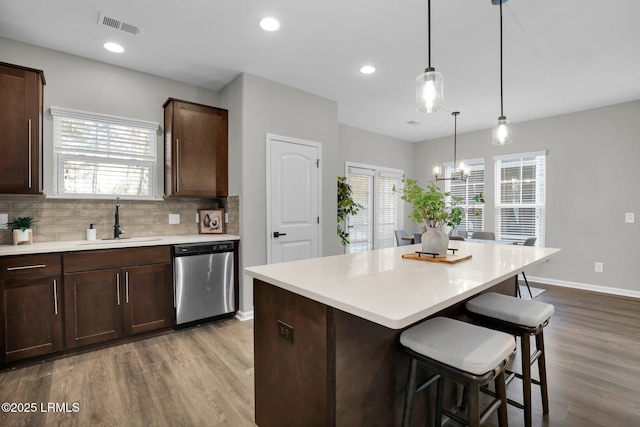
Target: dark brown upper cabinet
21, 100
195, 149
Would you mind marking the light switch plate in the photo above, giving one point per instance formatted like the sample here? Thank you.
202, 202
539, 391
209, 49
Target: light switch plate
599, 267
4, 219
174, 218
630, 218
226, 217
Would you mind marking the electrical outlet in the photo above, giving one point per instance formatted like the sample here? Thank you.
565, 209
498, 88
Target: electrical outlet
4, 219
599, 267
285, 331
630, 218
226, 217
197, 217
174, 218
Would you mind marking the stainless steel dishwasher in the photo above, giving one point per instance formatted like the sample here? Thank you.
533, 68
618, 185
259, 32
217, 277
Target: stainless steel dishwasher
204, 281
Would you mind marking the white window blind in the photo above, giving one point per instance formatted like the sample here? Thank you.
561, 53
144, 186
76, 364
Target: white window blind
102, 156
474, 212
520, 197
373, 227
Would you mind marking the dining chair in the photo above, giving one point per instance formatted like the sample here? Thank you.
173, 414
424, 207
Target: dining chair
456, 238
399, 238
460, 233
529, 242
484, 235
417, 237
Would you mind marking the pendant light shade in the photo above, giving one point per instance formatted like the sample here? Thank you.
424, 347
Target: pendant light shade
502, 131
429, 85
429, 91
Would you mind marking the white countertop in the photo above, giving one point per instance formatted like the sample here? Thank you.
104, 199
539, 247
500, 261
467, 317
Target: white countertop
384, 288
85, 245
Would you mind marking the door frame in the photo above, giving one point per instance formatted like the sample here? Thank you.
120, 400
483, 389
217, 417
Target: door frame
289, 140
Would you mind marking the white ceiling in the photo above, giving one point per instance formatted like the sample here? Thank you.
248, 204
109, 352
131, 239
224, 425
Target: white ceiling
559, 56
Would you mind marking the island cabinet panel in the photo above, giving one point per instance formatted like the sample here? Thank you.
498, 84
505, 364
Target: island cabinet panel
31, 304
293, 356
21, 104
196, 150
339, 369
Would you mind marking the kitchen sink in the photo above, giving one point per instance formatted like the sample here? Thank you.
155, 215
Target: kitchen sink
122, 240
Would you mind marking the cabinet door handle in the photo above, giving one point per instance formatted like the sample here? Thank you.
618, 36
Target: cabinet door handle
29, 153
26, 267
55, 297
177, 165
118, 286
126, 285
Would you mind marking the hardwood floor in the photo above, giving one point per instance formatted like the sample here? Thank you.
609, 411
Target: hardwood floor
195, 377
204, 376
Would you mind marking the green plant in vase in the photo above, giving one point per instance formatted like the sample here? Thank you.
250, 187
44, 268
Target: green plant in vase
346, 207
21, 223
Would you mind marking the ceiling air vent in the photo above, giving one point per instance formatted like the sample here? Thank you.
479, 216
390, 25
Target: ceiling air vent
117, 24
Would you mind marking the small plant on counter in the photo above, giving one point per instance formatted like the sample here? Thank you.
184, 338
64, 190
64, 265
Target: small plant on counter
346, 207
430, 206
21, 223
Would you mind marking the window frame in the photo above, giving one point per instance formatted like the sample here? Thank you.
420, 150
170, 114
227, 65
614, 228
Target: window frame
148, 160
539, 158
376, 173
473, 164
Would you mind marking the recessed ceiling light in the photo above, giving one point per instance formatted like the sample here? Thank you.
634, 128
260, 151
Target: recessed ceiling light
269, 24
367, 69
113, 47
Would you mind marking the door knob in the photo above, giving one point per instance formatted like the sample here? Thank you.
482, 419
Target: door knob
278, 234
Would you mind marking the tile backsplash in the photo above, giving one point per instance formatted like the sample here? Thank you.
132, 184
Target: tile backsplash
68, 219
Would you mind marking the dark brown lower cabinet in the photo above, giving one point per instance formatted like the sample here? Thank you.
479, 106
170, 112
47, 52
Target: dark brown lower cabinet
109, 303
148, 298
32, 321
31, 304
93, 307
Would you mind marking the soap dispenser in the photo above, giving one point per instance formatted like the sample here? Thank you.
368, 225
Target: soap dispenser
91, 233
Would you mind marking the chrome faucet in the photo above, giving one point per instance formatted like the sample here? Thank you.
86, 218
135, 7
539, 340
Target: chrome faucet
116, 227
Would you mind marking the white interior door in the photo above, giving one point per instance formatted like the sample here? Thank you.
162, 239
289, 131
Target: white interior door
293, 199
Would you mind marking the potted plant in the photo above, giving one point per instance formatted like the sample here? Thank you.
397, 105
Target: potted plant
432, 209
346, 207
22, 229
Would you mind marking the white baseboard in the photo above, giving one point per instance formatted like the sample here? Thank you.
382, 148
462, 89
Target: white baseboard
594, 288
244, 315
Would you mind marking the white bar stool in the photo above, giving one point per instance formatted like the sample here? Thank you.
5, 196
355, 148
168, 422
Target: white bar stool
522, 318
467, 354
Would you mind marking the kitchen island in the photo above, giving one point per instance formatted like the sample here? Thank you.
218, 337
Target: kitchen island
326, 329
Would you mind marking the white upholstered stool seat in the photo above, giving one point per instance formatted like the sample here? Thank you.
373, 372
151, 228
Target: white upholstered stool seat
524, 319
467, 354
509, 309
464, 346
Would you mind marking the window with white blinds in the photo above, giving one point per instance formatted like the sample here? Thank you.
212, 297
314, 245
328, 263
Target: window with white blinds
520, 197
373, 227
102, 156
474, 212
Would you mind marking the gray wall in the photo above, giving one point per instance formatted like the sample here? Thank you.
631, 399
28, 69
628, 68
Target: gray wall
593, 171
269, 107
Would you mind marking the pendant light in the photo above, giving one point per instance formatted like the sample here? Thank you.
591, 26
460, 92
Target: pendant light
462, 167
429, 85
502, 131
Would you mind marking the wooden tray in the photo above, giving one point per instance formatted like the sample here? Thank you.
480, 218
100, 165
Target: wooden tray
449, 259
